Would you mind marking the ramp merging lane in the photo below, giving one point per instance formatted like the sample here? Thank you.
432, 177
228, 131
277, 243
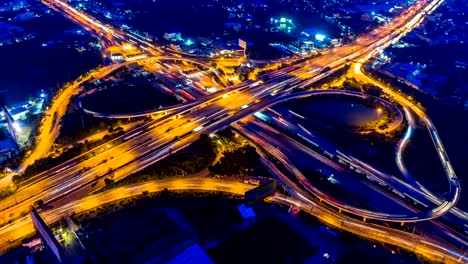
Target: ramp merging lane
150, 143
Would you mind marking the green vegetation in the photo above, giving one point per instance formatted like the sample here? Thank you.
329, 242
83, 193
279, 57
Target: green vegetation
76, 126
237, 158
324, 82
241, 161
7, 191
352, 84
76, 150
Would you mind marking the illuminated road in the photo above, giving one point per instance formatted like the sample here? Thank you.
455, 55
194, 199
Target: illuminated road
50, 126
420, 245
153, 142
387, 203
454, 184
117, 37
411, 217
389, 126
24, 226
147, 112
305, 201
415, 243
161, 110
144, 146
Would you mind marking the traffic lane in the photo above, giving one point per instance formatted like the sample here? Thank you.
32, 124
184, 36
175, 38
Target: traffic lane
24, 226
76, 180
454, 185
306, 159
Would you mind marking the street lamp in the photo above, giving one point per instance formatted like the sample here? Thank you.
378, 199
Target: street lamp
379, 111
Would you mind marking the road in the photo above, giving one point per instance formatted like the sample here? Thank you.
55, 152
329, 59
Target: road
50, 125
430, 213
454, 184
141, 148
308, 202
413, 190
160, 139
144, 63
390, 126
386, 203
152, 145
420, 245
24, 226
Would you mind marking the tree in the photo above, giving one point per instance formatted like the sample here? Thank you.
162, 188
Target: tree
108, 181
39, 203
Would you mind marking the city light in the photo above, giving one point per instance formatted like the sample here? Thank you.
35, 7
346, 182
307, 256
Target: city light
17, 127
320, 37
128, 46
219, 94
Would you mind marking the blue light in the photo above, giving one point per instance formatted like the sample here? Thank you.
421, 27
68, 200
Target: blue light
320, 37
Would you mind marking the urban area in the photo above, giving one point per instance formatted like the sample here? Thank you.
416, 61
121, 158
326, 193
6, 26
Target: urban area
234, 131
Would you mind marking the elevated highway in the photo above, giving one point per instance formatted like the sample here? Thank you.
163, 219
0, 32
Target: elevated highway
156, 140
146, 145
427, 247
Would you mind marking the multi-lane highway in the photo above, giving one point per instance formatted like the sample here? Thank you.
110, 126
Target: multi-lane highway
24, 226
148, 144
430, 213
50, 126
275, 144
419, 244
388, 201
333, 58
454, 184
220, 107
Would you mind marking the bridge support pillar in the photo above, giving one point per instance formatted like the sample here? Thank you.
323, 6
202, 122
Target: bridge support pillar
364, 219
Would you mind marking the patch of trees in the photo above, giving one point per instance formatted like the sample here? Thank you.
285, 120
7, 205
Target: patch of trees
242, 161
77, 149
194, 158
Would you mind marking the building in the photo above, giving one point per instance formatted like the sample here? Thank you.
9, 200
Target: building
174, 37
227, 48
282, 24
8, 146
409, 73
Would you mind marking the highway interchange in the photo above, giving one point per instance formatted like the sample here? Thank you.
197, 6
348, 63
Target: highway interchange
155, 140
